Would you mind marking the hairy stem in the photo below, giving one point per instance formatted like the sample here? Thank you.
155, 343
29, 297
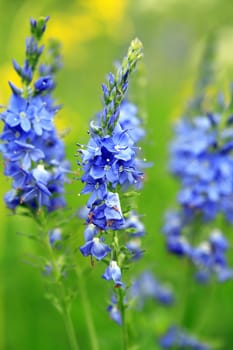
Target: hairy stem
125, 337
61, 293
87, 310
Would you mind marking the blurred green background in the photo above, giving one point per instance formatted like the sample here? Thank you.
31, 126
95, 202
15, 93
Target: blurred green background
94, 34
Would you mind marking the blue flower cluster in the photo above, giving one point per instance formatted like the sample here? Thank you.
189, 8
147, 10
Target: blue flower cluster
111, 167
33, 153
178, 339
202, 158
146, 287
208, 256
109, 161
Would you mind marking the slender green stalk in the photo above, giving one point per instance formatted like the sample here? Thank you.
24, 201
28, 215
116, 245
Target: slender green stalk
87, 310
60, 290
125, 337
70, 330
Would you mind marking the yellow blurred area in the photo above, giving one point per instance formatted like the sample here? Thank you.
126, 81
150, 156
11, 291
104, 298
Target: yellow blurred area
80, 25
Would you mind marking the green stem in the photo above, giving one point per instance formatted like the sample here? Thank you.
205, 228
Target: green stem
70, 330
60, 291
87, 310
124, 325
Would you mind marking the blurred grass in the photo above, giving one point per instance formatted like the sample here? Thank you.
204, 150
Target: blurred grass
94, 34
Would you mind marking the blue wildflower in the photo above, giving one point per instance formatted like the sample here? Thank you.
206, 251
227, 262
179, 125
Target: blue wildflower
95, 248
209, 256
113, 272
147, 287
133, 225
177, 338
55, 235
29, 137
107, 214
130, 121
17, 113
90, 231
134, 246
202, 159
114, 311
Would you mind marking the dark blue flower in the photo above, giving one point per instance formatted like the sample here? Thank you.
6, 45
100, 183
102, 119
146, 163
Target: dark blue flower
54, 236
201, 156
90, 232
95, 248
17, 113
146, 287
107, 214
113, 272
133, 225
130, 121
176, 338
25, 153
115, 313
134, 246
29, 136
44, 83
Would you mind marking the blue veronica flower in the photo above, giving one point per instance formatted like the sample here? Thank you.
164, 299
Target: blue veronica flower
209, 256
147, 287
201, 156
133, 225
12, 199
95, 248
109, 159
89, 232
17, 113
45, 83
110, 165
25, 154
179, 339
130, 121
107, 214
114, 312
55, 235
134, 246
29, 137
97, 188
113, 272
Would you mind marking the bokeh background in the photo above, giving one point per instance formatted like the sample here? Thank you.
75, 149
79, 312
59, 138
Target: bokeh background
94, 33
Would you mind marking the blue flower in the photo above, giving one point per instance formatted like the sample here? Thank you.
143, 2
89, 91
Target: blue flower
97, 188
113, 272
115, 313
119, 144
176, 338
146, 287
90, 232
201, 156
133, 225
107, 215
44, 83
42, 119
130, 121
25, 153
29, 136
95, 248
209, 256
134, 246
55, 236
17, 113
